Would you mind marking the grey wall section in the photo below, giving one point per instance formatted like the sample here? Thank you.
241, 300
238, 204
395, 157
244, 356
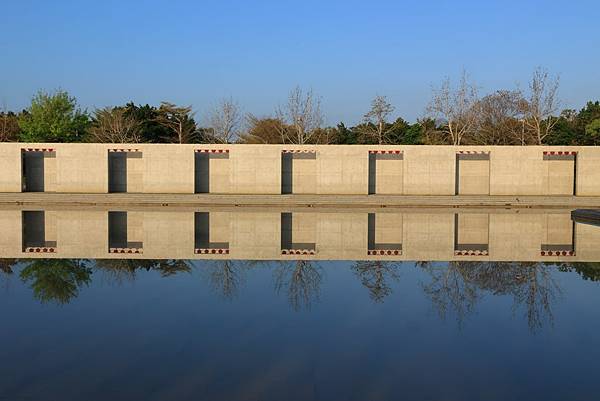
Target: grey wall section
34, 228
201, 173
201, 230
372, 173
33, 171
287, 172
286, 230
117, 172
117, 229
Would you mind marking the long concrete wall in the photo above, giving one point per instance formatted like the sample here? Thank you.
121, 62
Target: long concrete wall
329, 169
322, 235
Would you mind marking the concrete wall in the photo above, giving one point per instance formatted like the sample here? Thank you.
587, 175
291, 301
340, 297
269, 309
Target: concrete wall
336, 235
256, 169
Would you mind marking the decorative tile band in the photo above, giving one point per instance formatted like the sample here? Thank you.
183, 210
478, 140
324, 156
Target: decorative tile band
297, 251
211, 150
298, 151
125, 250
557, 253
38, 149
471, 252
213, 251
559, 153
473, 152
37, 249
123, 150
384, 252
385, 152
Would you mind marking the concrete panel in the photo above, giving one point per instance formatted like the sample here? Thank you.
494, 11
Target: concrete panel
164, 233
428, 236
10, 233
10, 165
588, 171
82, 168
473, 228
429, 170
342, 170
81, 233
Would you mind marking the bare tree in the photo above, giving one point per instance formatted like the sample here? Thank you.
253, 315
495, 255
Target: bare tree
376, 119
114, 125
376, 276
499, 119
542, 104
301, 280
302, 114
226, 121
179, 121
456, 107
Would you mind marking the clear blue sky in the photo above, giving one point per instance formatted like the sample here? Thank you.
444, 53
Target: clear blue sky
195, 52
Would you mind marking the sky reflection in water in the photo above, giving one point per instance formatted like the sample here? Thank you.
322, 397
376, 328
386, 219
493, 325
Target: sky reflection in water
242, 330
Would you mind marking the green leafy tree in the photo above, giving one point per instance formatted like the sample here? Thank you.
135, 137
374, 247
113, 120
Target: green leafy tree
56, 280
592, 131
53, 118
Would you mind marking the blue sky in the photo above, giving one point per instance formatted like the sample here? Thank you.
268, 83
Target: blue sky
196, 52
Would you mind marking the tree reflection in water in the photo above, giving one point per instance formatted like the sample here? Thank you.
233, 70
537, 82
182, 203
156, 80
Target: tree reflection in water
56, 280
376, 276
126, 269
225, 277
301, 279
458, 286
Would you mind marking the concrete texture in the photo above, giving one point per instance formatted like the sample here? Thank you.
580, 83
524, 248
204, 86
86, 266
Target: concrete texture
335, 170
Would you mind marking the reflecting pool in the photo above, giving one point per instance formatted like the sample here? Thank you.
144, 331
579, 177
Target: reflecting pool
297, 330
127, 304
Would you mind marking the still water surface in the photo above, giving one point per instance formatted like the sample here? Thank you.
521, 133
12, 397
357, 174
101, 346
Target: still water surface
287, 330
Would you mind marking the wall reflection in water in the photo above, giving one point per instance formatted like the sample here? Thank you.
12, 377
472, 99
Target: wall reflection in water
442, 235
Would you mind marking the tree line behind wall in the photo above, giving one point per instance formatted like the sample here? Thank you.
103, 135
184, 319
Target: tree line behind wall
455, 115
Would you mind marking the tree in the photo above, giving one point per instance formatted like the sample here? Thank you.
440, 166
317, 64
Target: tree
300, 117
263, 130
456, 107
9, 126
225, 121
541, 105
152, 130
592, 130
115, 125
376, 119
499, 120
53, 118
178, 121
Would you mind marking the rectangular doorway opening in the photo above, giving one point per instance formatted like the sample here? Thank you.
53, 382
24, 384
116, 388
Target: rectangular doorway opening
384, 234
117, 172
562, 172
471, 234
298, 172
118, 234
34, 232
472, 174
202, 237
386, 173
33, 171
201, 173
288, 246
